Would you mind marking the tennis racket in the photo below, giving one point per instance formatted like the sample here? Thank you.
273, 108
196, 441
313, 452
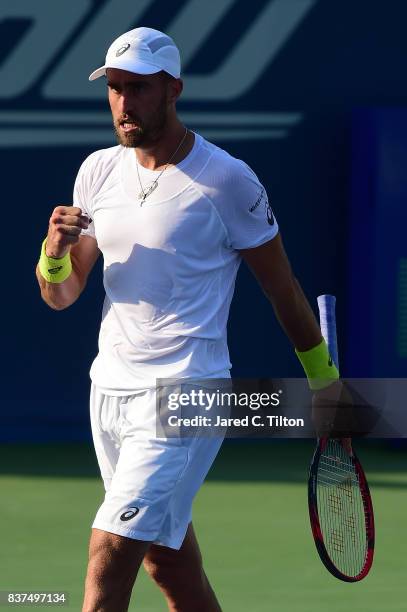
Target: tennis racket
340, 506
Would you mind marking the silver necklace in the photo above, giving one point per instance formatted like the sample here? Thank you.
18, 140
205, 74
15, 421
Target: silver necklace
145, 193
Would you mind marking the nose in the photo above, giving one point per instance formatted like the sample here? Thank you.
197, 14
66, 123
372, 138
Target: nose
126, 102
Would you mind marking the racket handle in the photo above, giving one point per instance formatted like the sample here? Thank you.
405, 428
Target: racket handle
327, 321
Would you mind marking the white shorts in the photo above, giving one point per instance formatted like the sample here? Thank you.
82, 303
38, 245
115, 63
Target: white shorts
150, 482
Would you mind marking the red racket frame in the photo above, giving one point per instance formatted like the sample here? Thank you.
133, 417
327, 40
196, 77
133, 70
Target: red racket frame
314, 516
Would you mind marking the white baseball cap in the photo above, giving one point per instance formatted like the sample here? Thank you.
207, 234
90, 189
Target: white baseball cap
143, 51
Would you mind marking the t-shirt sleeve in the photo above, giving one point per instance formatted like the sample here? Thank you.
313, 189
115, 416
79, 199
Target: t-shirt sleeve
82, 195
245, 208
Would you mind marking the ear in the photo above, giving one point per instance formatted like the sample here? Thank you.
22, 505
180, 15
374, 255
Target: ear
175, 87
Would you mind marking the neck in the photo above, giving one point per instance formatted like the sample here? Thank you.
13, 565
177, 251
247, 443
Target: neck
157, 155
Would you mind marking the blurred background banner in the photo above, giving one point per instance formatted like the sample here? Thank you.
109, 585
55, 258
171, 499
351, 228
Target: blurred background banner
310, 93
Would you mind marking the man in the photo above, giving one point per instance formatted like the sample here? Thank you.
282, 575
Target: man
173, 216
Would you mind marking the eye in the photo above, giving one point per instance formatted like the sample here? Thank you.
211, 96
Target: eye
139, 86
114, 88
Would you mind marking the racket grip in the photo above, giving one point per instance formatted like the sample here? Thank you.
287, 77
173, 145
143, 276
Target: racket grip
327, 321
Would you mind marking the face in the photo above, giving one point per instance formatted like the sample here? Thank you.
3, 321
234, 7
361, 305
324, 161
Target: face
140, 106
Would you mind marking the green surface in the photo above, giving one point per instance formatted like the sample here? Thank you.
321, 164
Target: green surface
250, 516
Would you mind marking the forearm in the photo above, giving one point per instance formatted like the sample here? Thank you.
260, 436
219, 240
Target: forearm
66, 257
270, 264
59, 295
294, 314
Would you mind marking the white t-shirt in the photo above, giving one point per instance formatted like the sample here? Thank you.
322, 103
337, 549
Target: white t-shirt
169, 265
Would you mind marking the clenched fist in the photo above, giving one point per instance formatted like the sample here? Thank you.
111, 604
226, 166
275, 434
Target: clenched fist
65, 225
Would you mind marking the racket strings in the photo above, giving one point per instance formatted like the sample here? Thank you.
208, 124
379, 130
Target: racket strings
341, 508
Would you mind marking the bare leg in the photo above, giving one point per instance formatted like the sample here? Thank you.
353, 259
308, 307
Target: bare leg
112, 569
181, 577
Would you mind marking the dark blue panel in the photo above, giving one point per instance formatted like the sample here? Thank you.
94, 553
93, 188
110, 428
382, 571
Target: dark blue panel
378, 218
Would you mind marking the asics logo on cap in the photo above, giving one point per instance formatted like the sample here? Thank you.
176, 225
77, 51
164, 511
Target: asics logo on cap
122, 49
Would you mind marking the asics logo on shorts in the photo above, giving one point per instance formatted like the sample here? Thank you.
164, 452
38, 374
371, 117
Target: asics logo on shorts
129, 514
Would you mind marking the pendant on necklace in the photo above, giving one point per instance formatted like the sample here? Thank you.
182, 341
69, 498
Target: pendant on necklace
144, 194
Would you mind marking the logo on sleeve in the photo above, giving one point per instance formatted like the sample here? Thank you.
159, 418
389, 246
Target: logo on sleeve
269, 213
258, 201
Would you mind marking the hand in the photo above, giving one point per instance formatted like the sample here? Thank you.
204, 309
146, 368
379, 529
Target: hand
65, 226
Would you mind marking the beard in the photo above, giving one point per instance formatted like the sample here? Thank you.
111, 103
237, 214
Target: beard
147, 133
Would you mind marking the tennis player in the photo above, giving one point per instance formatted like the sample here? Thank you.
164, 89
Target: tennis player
173, 216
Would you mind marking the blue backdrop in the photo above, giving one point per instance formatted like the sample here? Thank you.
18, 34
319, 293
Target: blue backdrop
275, 82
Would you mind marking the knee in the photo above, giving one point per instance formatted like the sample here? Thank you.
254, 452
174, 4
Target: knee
168, 568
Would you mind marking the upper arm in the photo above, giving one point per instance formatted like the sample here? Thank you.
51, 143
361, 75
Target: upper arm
270, 264
242, 203
84, 255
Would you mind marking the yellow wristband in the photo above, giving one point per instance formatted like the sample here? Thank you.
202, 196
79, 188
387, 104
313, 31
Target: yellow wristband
52, 269
318, 366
